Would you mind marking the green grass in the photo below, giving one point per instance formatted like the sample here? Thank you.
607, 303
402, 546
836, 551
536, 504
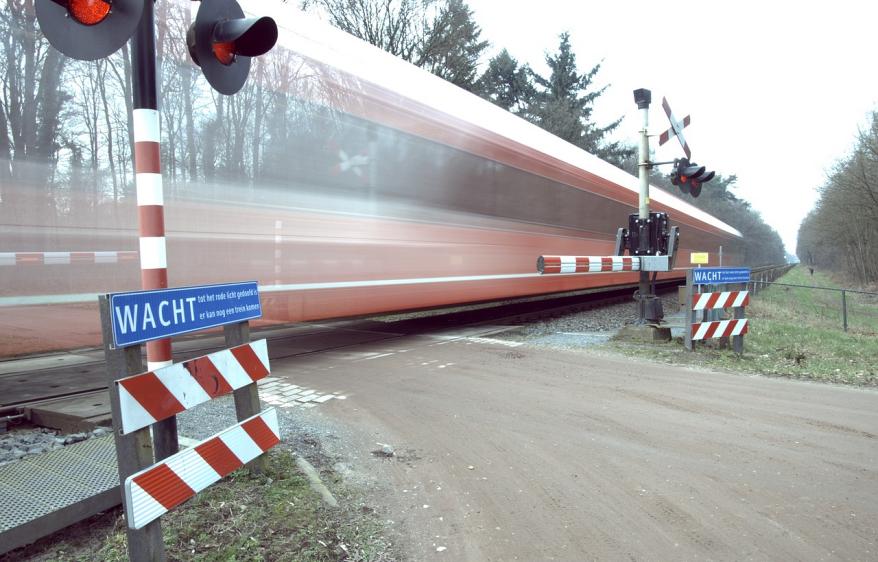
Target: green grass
796, 333
275, 516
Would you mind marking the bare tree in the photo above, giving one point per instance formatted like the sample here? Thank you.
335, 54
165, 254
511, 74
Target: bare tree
31, 100
438, 35
400, 27
841, 232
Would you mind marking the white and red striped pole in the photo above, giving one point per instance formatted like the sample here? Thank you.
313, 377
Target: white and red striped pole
150, 199
146, 544
151, 219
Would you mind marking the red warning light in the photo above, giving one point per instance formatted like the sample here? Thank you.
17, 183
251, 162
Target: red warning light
224, 52
89, 12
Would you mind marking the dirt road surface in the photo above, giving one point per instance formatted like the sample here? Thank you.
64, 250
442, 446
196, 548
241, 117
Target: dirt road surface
522, 453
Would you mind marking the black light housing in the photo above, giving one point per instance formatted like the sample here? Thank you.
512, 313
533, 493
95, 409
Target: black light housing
88, 29
690, 176
642, 97
222, 41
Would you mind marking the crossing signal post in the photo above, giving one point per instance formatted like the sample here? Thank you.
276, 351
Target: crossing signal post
222, 42
648, 305
689, 176
649, 234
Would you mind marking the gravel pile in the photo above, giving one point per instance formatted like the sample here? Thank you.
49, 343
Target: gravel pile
20, 443
586, 327
300, 431
305, 431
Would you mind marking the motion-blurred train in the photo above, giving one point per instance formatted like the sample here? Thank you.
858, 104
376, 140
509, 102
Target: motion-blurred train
380, 188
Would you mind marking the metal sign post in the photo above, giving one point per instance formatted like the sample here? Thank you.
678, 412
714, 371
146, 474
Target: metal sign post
643, 98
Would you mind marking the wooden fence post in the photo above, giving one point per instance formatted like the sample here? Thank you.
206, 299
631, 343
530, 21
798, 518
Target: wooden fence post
738, 314
687, 324
247, 397
134, 450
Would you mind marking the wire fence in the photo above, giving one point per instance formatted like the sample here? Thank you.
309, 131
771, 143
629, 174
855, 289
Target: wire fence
854, 310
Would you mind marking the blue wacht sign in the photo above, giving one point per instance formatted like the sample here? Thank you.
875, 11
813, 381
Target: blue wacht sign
142, 316
718, 275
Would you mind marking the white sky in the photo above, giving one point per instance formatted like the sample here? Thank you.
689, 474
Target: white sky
777, 89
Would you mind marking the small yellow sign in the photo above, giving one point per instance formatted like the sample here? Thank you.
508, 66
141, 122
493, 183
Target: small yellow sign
699, 258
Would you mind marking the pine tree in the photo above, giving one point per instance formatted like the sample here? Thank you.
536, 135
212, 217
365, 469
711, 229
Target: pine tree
505, 83
451, 50
564, 102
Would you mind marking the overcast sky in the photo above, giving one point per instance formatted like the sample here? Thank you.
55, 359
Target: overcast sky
777, 89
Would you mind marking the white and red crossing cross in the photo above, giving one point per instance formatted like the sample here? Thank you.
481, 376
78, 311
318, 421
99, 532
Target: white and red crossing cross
676, 129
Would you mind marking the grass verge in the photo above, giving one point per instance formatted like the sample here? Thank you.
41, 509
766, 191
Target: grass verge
275, 516
793, 332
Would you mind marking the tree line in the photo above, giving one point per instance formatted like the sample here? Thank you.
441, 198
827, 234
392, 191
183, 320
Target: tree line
841, 231
443, 37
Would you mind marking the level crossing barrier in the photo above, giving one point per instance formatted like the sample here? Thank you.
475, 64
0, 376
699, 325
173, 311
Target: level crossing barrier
547, 265
65, 258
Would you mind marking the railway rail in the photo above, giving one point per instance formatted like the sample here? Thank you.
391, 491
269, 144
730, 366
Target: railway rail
43, 385
71, 394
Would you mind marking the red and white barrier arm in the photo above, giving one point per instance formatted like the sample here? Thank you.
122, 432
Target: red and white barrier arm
152, 492
149, 397
727, 299
65, 258
720, 329
586, 264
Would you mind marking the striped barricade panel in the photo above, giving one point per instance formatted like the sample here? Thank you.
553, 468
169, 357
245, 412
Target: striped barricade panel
586, 264
727, 299
152, 492
719, 329
153, 396
65, 258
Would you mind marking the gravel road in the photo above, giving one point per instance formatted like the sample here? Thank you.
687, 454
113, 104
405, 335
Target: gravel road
504, 450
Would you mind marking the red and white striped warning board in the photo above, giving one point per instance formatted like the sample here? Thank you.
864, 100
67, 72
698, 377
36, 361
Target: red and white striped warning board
153, 396
156, 490
586, 264
65, 258
726, 299
719, 329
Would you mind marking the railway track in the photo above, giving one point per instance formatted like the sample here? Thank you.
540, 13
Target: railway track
69, 391
35, 382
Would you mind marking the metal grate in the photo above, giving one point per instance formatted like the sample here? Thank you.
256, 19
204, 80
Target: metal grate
39, 485
17, 508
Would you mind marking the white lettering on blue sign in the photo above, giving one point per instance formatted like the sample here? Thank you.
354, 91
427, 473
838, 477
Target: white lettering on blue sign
149, 315
717, 276
127, 315
126, 320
